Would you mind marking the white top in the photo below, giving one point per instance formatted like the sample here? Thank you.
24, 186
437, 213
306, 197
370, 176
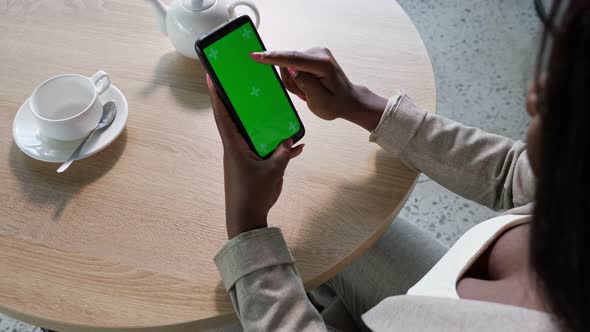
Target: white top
441, 280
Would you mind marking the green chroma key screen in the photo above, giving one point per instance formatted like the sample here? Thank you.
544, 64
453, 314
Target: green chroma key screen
253, 89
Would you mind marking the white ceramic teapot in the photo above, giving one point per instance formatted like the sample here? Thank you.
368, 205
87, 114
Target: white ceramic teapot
184, 21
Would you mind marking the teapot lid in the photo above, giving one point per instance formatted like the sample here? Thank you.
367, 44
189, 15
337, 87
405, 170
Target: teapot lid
198, 5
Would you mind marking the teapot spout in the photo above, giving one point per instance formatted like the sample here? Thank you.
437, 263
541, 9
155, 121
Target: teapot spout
161, 11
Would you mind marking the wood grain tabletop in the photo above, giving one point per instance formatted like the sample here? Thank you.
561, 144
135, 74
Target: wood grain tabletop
125, 239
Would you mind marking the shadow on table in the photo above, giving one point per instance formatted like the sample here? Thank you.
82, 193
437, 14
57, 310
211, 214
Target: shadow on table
353, 195
186, 79
224, 305
44, 186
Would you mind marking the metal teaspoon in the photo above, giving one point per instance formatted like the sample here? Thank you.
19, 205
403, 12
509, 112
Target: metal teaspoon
109, 111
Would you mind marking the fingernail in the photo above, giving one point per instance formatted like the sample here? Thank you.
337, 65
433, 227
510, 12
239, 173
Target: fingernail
257, 55
289, 143
302, 97
300, 84
292, 71
209, 80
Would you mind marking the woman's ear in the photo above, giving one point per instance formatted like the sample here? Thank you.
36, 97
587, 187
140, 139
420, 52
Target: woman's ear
533, 98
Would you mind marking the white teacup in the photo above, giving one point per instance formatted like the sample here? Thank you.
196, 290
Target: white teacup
67, 107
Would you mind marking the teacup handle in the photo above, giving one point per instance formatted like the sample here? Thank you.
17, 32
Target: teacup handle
102, 81
247, 3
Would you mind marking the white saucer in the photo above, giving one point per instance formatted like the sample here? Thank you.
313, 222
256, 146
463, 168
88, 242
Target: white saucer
27, 138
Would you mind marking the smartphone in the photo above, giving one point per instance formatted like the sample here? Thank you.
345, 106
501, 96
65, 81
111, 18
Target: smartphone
253, 93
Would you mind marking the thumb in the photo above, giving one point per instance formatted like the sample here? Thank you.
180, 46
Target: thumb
280, 158
311, 86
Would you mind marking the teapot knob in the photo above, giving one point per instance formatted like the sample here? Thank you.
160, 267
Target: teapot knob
198, 5
247, 3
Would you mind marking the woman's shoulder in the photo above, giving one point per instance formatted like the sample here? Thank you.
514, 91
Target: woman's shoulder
425, 313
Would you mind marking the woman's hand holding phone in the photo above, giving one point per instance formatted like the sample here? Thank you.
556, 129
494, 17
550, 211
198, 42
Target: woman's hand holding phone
252, 185
317, 78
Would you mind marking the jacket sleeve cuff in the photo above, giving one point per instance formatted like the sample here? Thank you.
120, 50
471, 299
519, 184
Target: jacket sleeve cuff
399, 123
251, 251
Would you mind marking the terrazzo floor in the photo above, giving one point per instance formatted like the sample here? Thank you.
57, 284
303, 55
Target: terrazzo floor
483, 53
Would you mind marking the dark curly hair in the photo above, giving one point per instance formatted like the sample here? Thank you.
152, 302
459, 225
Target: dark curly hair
560, 254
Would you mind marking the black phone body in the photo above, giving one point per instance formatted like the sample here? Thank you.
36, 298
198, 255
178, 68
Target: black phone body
253, 93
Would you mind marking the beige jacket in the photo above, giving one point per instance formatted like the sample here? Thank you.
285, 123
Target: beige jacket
267, 292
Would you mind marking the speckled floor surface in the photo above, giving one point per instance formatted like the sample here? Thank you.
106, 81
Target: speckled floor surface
483, 52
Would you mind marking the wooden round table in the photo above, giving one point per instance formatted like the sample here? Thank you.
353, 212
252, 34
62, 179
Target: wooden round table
125, 239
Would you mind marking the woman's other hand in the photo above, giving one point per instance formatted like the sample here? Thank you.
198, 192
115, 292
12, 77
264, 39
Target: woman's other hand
252, 185
317, 78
